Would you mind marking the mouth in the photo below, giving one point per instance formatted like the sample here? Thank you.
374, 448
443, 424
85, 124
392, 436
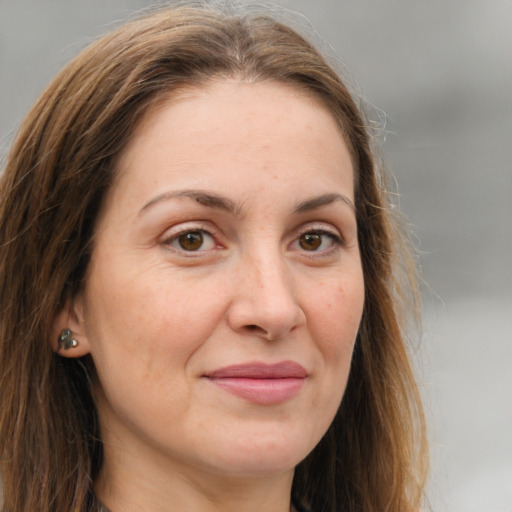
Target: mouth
260, 383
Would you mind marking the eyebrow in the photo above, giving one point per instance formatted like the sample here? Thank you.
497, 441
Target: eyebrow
223, 203
323, 200
204, 198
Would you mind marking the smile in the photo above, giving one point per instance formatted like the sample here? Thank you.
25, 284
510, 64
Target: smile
260, 383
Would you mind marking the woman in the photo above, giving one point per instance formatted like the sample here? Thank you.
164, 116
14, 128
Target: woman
201, 284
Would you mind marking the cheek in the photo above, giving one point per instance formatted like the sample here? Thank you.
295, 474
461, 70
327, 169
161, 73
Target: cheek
144, 333
335, 325
336, 314
154, 319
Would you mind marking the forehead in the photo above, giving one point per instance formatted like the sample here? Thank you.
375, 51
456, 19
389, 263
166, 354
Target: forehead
218, 96
229, 128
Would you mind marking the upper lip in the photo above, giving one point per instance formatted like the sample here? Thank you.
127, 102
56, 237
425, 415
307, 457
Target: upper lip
258, 370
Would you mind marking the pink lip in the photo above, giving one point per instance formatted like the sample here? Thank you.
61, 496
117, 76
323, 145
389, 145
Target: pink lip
261, 383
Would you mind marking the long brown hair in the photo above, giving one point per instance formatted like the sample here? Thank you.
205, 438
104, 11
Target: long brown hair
373, 458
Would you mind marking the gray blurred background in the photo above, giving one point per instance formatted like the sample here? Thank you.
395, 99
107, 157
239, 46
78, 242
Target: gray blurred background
440, 74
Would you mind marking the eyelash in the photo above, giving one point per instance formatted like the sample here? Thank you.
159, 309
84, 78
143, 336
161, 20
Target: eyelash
335, 239
169, 241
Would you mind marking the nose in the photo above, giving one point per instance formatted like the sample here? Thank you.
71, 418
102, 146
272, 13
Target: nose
264, 300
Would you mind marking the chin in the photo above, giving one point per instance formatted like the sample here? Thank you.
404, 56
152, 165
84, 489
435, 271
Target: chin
263, 455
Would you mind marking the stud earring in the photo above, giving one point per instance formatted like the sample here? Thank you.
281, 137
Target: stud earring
66, 340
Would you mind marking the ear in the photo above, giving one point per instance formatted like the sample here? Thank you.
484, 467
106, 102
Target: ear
71, 318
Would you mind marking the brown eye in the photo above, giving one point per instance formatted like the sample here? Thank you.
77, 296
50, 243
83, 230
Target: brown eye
191, 241
317, 241
310, 241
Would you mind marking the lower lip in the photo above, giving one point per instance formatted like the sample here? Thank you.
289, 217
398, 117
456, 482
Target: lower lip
261, 391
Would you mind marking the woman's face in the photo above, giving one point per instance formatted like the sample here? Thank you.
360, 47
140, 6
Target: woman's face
225, 288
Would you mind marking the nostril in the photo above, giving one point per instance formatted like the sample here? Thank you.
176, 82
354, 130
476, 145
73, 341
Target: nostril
257, 329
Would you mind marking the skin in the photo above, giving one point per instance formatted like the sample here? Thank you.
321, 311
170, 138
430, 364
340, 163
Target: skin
157, 317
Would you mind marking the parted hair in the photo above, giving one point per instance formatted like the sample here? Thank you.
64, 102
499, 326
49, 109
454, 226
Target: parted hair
373, 457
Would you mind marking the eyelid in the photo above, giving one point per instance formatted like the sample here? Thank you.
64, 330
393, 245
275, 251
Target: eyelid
173, 233
322, 229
